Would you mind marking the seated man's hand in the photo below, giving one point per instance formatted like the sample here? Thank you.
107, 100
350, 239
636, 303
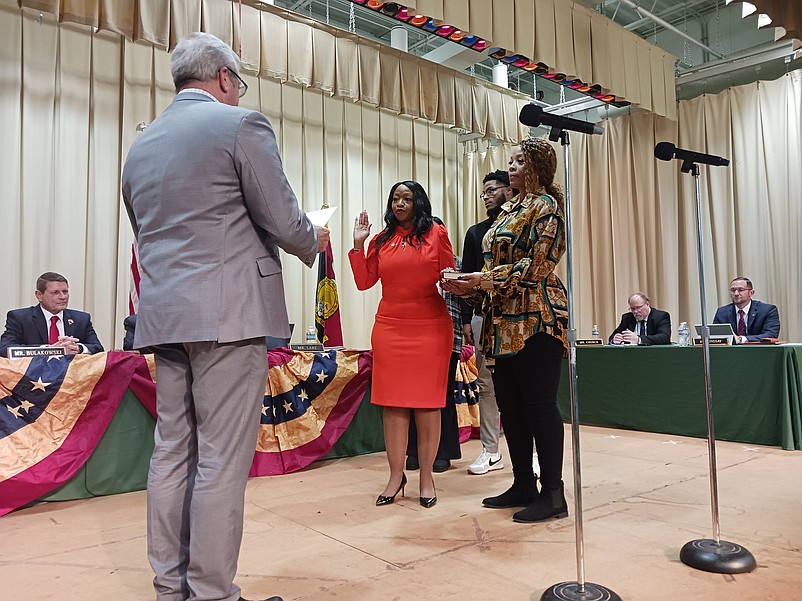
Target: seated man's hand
629, 337
69, 343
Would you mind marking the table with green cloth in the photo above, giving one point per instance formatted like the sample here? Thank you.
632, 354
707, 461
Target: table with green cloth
757, 391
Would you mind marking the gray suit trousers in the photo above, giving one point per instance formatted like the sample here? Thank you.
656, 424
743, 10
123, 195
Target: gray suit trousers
488, 409
209, 398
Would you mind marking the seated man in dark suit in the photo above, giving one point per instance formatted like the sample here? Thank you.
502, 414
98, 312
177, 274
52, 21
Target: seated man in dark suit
50, 322
643, 324
751, 320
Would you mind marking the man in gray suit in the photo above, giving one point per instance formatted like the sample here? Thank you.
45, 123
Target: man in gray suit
210, 206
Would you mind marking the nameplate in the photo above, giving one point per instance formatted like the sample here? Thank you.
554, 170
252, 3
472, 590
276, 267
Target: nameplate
588, 342
22, 352
312, 347
714, 341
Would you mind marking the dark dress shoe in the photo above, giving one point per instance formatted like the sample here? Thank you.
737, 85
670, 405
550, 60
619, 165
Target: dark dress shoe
412, 463
387, 500
428, 502
441, 465
515, 496
276, 598
550, 504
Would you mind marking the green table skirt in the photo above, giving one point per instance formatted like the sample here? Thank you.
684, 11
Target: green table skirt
756, 391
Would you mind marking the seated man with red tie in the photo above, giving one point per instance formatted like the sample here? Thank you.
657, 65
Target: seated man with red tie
751, 320
50, 322
643, 324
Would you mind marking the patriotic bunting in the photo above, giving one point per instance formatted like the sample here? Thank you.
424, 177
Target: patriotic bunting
55, 410
310, 399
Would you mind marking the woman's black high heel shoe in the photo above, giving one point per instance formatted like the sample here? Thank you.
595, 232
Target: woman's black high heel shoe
385, 500
428, 502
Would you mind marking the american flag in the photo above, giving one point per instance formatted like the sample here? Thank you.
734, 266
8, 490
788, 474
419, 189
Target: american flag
133, 292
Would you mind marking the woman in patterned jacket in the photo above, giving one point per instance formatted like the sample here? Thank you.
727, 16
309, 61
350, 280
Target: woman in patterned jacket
525, 322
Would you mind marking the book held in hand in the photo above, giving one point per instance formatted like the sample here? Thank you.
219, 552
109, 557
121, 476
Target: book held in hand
452, 275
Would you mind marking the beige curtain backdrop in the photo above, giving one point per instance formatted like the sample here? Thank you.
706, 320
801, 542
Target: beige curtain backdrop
635, 218
70, 105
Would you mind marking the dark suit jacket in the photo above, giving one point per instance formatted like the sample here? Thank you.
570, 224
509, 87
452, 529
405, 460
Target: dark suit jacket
658, 327
763, 320
27, 327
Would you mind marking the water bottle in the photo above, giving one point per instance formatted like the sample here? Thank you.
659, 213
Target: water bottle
684, 334
595, 332
311, 335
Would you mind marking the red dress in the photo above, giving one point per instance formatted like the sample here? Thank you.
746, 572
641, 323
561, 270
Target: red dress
412, 336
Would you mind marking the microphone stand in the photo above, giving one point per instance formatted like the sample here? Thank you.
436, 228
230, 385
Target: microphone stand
710, 555
579, 590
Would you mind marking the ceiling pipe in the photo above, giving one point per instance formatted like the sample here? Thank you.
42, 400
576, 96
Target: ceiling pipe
669, 26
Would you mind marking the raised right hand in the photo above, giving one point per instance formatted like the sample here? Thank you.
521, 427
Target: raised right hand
361, 229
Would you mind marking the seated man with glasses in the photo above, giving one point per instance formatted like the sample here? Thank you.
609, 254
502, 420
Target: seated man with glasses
643, 324
751, 320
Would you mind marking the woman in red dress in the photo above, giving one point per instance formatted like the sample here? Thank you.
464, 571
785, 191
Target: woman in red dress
412, 334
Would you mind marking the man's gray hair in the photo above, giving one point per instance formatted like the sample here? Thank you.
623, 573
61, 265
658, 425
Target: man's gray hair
199, 56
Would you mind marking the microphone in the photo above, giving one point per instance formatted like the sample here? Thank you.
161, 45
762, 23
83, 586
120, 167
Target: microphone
534, 116
665, 151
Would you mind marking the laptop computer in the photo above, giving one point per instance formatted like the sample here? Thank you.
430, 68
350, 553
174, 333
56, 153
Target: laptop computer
717, 330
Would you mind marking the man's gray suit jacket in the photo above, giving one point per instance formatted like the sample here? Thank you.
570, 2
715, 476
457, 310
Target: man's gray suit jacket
210, 206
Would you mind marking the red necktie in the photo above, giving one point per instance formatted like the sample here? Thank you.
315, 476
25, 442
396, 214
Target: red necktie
53, 330
741, 323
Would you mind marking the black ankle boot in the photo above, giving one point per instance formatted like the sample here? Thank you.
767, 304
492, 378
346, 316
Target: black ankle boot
518, 495
549, 504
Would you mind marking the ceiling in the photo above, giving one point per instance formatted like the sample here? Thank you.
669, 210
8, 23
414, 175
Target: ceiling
715, 47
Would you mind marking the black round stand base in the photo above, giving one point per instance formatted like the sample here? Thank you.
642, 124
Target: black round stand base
569, 591
723, 557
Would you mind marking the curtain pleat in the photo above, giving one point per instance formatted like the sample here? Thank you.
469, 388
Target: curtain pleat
300, 53
185, 16
247, 39
324, 61
274, 37
347, 68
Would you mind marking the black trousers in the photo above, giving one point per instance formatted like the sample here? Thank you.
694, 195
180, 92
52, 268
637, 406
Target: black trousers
526, 391
449, 428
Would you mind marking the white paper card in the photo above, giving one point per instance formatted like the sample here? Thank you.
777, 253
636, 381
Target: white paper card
321, 217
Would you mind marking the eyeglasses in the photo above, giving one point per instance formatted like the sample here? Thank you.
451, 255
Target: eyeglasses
637, 307
243, 87
734, 290
491, 191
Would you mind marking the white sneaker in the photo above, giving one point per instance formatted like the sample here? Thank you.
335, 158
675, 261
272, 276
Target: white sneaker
535, 464
486, 462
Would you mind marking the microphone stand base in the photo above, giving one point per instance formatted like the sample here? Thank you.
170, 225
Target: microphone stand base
570, 591
723, 557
